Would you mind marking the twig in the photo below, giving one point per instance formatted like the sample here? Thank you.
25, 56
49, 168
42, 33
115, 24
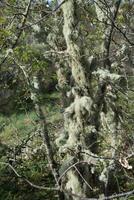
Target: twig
33, 86
26, 180
24, 19
70, 167
83, 178
116, 26
102, 198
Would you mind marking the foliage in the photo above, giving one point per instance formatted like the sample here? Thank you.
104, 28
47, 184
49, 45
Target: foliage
85, 77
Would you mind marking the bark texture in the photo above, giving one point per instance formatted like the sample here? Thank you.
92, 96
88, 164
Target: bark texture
70, 33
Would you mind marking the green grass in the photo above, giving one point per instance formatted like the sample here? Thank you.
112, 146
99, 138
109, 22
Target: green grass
15, 128
13, 131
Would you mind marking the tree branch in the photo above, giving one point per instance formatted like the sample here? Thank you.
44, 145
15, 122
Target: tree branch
24, 19
26, 180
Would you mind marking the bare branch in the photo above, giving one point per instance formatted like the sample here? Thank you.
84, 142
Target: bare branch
26, 180
103, 198
24, 19
112, 20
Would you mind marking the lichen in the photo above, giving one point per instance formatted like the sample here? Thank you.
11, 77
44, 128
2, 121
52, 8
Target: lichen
73, 184
73, 49
105, 74
74, 117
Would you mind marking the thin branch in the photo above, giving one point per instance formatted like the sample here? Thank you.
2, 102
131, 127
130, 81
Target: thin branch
42, 123
24, 19
119, 195
115, 26
102, 198
26, 180
18, 148
98, 157
83, 178
74, 166
57, 189
44, 17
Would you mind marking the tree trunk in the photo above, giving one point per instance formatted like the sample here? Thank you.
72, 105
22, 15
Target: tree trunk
87, 119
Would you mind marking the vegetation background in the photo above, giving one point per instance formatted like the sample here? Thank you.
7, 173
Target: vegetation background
66, 99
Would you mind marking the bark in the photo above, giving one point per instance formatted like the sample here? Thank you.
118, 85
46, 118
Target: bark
110, 126
90, 119
85, 117
63, 82
70, 34
77, 113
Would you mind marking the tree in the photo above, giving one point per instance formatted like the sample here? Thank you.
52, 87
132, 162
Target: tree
92, 73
